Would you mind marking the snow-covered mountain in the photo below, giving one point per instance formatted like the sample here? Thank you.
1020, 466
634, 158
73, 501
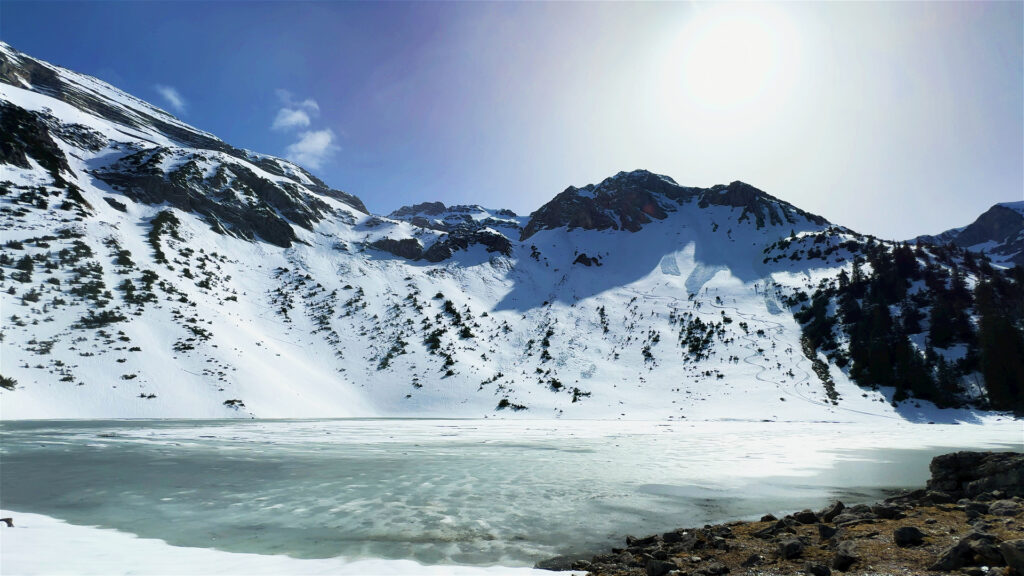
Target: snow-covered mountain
151, 270
998, 232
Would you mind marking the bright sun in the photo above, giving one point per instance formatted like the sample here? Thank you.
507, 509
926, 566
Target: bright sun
734, 58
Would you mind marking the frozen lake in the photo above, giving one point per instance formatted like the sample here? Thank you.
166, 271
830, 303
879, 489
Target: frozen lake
465, 492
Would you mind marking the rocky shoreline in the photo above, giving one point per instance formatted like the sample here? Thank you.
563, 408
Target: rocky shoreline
968, 520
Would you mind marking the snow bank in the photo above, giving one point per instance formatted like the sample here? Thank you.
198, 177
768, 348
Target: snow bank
43, 545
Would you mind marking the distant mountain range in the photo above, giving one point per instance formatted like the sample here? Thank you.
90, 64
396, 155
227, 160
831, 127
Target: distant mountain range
148, 269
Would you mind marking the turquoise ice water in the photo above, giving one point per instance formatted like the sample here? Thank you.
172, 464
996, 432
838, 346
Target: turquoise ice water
466, 492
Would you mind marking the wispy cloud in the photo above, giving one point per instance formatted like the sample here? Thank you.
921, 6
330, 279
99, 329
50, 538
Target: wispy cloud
173, 97
313, 148
287, 119
294, 113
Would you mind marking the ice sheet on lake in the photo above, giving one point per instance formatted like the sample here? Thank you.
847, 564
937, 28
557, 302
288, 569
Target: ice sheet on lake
42, 545
450, 492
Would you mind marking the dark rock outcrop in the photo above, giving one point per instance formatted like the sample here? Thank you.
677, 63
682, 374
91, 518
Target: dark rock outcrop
437, 216
25, 135
625, 201
763, 207
629, 200
969, 474
462, 240
429, 208
408, 248
236, 200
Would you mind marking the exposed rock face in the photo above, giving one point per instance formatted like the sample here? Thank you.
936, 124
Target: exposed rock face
19, 69
234, 199
629, 200
463, 239
26, 134
430, 208
625, 201
437, 216
972, 473
409, 248
764, 208
237, 192
587, 260
466, 225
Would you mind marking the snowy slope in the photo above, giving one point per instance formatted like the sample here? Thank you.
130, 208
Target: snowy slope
173, 275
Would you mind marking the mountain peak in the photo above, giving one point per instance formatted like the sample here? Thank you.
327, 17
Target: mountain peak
999, 232
628, 200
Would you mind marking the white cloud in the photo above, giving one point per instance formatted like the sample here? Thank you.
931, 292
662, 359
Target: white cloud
173, 97
313, 148
288, 118
294, 113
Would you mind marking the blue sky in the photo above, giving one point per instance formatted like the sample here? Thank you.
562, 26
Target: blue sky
896, 119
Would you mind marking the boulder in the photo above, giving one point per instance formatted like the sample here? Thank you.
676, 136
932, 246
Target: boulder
655, 567
1013, 554
887, 511
686, 542
825, 531
975, 509
789, 548
806, 517
845, 556
672, 537
974, 549
829, 514
908, 536
1004, 508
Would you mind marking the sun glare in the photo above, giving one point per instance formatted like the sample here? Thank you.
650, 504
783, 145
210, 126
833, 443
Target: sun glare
735, 59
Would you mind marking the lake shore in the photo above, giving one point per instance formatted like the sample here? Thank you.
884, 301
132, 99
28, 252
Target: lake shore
969, 520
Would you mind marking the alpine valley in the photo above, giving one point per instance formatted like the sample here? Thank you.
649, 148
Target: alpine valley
151, 270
